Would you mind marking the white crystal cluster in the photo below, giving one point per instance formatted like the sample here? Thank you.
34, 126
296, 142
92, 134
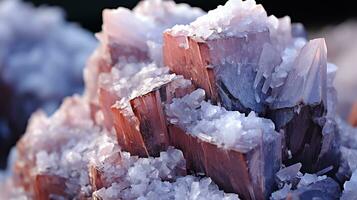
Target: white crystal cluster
142, 33
290, 177
211, 123
72, 160
62, 144
40, 53
75, 145
136, 79
285, 61
235, 17
158, 178
69, 142
144, 30
188, 187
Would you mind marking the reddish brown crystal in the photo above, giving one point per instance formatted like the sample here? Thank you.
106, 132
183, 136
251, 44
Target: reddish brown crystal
212, 64
96, 179
241, 172
46, 186
352, 119
141, 128
196, 58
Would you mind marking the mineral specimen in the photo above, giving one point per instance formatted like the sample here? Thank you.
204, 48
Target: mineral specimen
140, 40
41, 62
125, 69
136, 109
248, 61
239, 153
235, 102
58, 155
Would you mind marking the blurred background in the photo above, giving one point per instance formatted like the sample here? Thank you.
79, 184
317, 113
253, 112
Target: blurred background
313, 13
42, 55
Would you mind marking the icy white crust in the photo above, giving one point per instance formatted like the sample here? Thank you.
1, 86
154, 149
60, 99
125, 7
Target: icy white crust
68, 144
147, 22
236, 17
159, 178
137, 79
215, 124
40, 53
142, 32
188, 187
292, 70
60, 145
71, 121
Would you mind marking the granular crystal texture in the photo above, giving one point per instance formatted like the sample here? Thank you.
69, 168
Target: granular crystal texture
183, 104
125, 77
139, 40
136, 109
249, 61
240, 153
68, 156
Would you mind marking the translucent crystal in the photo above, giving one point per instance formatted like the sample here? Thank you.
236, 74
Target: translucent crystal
309, 179
216, 124
138, 39
136, 79
288, 173
188, 187
282, 193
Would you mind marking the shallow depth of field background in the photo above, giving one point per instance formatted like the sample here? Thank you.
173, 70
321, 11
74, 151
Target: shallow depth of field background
313, 13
